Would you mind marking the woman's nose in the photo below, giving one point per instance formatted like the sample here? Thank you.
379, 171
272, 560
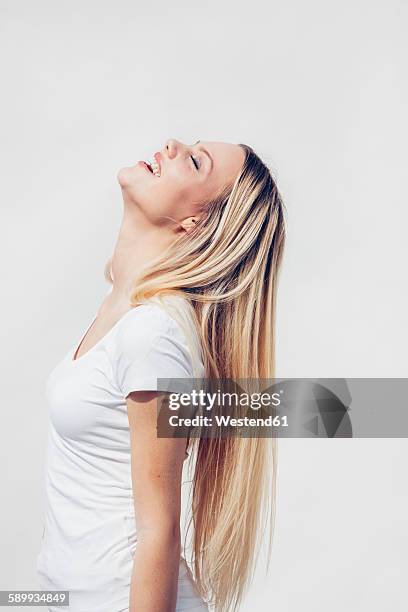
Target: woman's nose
171, 147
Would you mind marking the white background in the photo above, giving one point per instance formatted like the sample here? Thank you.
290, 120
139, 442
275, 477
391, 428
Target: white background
319, 90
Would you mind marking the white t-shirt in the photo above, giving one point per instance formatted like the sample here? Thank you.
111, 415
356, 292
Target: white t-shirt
90, 535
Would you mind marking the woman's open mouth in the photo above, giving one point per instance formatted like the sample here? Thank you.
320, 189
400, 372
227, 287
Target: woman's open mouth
146, 166
153, 168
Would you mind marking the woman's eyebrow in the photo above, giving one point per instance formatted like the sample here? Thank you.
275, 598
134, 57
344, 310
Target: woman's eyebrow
207, 153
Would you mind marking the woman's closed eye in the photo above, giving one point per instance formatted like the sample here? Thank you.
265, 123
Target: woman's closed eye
195, 162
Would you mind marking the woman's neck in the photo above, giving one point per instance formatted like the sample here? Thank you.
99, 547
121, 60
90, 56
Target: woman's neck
137, 244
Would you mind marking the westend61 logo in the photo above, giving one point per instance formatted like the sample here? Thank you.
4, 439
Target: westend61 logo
206, 404
288, 408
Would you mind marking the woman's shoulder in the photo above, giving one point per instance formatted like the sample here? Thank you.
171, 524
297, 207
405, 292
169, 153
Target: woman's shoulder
147, 322
148, 345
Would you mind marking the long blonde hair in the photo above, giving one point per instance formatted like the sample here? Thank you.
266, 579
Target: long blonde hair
226, 271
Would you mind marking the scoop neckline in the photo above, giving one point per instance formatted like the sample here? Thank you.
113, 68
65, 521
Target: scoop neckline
77, 346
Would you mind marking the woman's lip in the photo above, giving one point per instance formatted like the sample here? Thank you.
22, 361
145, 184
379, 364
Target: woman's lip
157, 157
142, 163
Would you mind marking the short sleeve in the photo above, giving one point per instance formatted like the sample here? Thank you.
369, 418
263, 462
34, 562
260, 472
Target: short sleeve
150, 345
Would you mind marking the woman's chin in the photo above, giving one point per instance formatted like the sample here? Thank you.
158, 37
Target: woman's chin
125, 176
130, 175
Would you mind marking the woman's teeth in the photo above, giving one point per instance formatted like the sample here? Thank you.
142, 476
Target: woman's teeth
155, 167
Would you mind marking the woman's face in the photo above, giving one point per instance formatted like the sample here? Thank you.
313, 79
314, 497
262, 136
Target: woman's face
189, 176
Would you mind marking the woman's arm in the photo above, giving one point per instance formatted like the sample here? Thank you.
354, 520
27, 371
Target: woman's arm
156, 465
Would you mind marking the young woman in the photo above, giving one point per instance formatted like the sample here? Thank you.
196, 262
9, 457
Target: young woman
193, 286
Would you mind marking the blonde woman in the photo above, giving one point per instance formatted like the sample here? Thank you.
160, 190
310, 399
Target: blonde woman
193, 284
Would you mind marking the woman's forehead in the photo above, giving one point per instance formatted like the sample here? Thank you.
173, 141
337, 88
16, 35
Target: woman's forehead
227, 157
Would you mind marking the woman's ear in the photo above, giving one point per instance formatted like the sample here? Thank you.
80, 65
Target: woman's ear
189, 223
